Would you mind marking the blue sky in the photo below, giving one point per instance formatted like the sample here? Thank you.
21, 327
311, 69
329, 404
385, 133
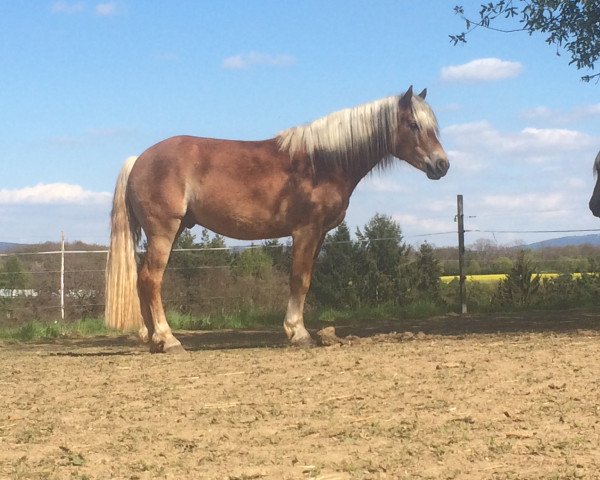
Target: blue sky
85, 84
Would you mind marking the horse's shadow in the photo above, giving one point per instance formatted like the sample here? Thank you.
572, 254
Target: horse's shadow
565, 322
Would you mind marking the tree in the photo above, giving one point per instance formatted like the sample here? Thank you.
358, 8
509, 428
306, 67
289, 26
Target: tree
253, 262
502, 265
216, 253
186, 240
521, 285
571, 25
334, 280
281, 254
427, 273
474, 268
382, 267
185, 263
13, 275
190, 256
196, 271
484, 249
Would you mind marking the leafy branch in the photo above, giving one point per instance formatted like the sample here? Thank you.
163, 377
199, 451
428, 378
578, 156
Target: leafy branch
571, 25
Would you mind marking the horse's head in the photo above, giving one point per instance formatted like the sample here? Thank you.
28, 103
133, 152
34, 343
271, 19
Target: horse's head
595, 200
417, 136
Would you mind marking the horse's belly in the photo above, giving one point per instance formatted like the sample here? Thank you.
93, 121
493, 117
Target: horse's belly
253, 211
241, 221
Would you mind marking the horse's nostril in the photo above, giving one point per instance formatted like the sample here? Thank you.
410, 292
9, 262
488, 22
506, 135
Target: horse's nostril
442, 164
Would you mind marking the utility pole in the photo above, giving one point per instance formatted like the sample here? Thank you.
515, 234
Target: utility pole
461, 253
62, 276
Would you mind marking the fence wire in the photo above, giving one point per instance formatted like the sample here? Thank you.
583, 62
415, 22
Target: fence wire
84, 286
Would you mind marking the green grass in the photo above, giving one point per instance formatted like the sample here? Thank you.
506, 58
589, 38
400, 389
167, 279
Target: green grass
423, 309
386, 311
89, 327
35, 330
224, 321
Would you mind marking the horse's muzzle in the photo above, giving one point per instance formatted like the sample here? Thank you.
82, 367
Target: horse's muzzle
595, 206
437, 169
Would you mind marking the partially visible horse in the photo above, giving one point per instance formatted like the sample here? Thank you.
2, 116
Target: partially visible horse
595, 200
298, 183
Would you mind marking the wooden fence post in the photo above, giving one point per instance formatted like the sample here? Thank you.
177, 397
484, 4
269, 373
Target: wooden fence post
461, 254
62, 276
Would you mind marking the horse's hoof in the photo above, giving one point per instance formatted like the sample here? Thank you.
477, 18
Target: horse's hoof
157, 347
303, 342
176, 350
143, 335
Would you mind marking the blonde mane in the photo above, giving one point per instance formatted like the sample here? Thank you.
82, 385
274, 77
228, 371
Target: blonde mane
355, 135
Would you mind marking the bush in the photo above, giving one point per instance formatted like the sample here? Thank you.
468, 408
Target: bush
425, 276
479, 296
567, 292
521, 287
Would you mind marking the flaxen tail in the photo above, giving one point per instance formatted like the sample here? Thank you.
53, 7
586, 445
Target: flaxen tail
122, 309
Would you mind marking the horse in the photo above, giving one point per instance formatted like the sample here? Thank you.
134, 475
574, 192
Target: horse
595, 200
296, 184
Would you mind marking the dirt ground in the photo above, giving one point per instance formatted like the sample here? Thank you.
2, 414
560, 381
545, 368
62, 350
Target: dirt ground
484, 397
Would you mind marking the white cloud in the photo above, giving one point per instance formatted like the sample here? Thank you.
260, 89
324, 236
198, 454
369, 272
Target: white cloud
106, 9
422, 225
575, 183
466, 162
481, 70
552, 139
530, 179
538, 113
450, 107
380, 184
549, 202
67, 7
85, 222
542, 113
588, 110
52, 193
247, 60
481, 139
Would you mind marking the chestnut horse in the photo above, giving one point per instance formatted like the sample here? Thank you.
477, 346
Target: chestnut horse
595, 200
298, 183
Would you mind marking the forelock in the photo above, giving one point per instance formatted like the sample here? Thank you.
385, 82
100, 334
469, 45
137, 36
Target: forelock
424, 115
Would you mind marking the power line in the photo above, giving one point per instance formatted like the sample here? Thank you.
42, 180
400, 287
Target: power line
535, 231
284, 245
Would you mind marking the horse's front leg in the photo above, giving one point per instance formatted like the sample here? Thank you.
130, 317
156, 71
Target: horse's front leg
306, 244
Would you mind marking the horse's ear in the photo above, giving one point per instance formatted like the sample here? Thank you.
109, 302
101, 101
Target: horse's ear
406, 100
423, 94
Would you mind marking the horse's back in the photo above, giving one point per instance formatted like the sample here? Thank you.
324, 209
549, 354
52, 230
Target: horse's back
236, 188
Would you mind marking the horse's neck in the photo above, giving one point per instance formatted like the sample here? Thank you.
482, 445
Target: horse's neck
362, 169
352, 174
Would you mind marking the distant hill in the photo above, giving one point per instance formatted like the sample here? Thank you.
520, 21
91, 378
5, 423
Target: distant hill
573, 240
5, 247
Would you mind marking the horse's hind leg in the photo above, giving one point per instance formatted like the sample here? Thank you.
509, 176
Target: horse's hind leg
149, 286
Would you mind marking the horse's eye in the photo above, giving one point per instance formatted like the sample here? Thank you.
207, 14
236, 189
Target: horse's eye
414, 126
